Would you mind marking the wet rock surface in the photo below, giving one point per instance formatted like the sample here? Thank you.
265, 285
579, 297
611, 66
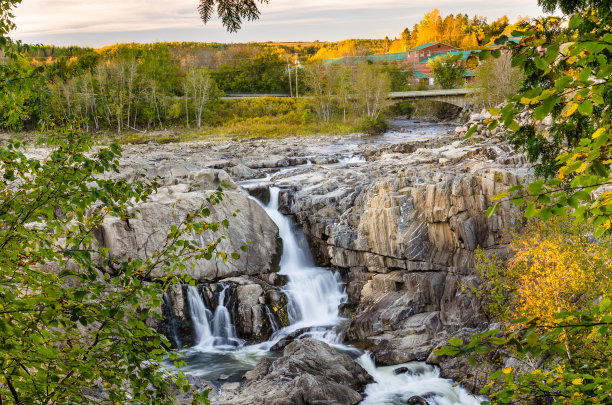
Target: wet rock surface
400, 215
309, 372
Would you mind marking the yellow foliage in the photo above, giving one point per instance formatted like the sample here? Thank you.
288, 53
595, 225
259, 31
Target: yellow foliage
553, 267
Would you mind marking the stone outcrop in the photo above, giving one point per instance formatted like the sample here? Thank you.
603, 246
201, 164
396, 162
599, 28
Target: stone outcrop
402, 227
309, 372
148, 224
405, 226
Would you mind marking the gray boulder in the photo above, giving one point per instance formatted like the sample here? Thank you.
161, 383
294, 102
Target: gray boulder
310, 372
145, 233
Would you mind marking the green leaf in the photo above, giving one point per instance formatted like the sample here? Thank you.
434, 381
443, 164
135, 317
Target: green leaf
514, 126
471, 131
537, 187
455, 342
585, 108
575, 21
540, 63
492, 210
531, 211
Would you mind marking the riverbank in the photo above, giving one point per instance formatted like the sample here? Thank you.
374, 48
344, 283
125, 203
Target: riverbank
396, 216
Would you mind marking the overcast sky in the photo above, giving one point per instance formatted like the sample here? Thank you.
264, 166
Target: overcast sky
106, 22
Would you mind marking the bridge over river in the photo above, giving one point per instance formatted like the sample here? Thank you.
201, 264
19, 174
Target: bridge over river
456, 97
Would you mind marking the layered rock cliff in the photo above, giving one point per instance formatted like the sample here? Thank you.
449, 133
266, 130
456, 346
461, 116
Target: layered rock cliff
404, 226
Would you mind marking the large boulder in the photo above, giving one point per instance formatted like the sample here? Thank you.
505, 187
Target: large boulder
149, 223
309, 372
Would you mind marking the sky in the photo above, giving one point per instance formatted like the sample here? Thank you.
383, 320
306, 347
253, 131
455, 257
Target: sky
99, 23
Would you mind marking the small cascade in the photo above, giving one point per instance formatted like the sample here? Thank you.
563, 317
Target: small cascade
199, 318
169, 312
272, 319
314, 294
224, 331
419, 379
353, 159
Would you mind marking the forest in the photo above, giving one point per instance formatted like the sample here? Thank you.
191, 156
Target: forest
155, 86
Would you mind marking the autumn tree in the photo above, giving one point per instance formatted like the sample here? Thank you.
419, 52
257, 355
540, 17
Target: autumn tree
495, 80
448, 71
565, 300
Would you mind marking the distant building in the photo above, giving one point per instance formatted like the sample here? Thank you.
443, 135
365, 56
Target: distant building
415, 59
425, 70
417, 54
380, 57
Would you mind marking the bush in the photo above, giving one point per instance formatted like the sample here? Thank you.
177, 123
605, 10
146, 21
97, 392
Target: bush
372, 126
403, 108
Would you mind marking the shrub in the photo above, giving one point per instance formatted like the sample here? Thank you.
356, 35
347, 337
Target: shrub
372, 126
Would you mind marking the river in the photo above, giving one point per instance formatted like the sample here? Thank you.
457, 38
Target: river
314, 295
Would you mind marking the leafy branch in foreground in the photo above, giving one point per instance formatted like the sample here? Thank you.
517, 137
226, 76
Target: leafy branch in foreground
231, 12
73, 321
577, 382
567, 77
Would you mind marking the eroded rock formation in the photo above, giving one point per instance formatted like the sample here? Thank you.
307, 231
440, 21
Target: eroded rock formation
405, 227
309, 372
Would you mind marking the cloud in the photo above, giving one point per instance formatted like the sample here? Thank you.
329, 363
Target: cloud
41, 19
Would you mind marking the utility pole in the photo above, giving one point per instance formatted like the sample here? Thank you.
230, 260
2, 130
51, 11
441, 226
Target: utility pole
289, 71
297, 67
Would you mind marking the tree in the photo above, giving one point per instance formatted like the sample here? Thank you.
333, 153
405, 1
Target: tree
567, 77
495, 80
73, 319
321, 81
231, 12
573, 6
372, 87
448, 71
201, 90
554, 269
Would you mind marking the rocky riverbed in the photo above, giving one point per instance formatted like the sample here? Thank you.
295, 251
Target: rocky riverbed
398, 216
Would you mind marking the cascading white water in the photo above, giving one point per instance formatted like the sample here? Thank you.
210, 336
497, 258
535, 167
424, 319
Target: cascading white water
420, 379
199, 318
224, 331
314, 294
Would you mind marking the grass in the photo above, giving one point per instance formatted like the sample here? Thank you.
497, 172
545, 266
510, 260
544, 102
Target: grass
258, 127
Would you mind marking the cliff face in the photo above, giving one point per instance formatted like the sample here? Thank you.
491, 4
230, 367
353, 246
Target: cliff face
402, 225
405, 226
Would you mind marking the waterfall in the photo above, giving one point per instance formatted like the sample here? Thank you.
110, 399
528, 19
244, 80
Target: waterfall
199, 318
212, 330
224, 331
271, 319
314, 294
